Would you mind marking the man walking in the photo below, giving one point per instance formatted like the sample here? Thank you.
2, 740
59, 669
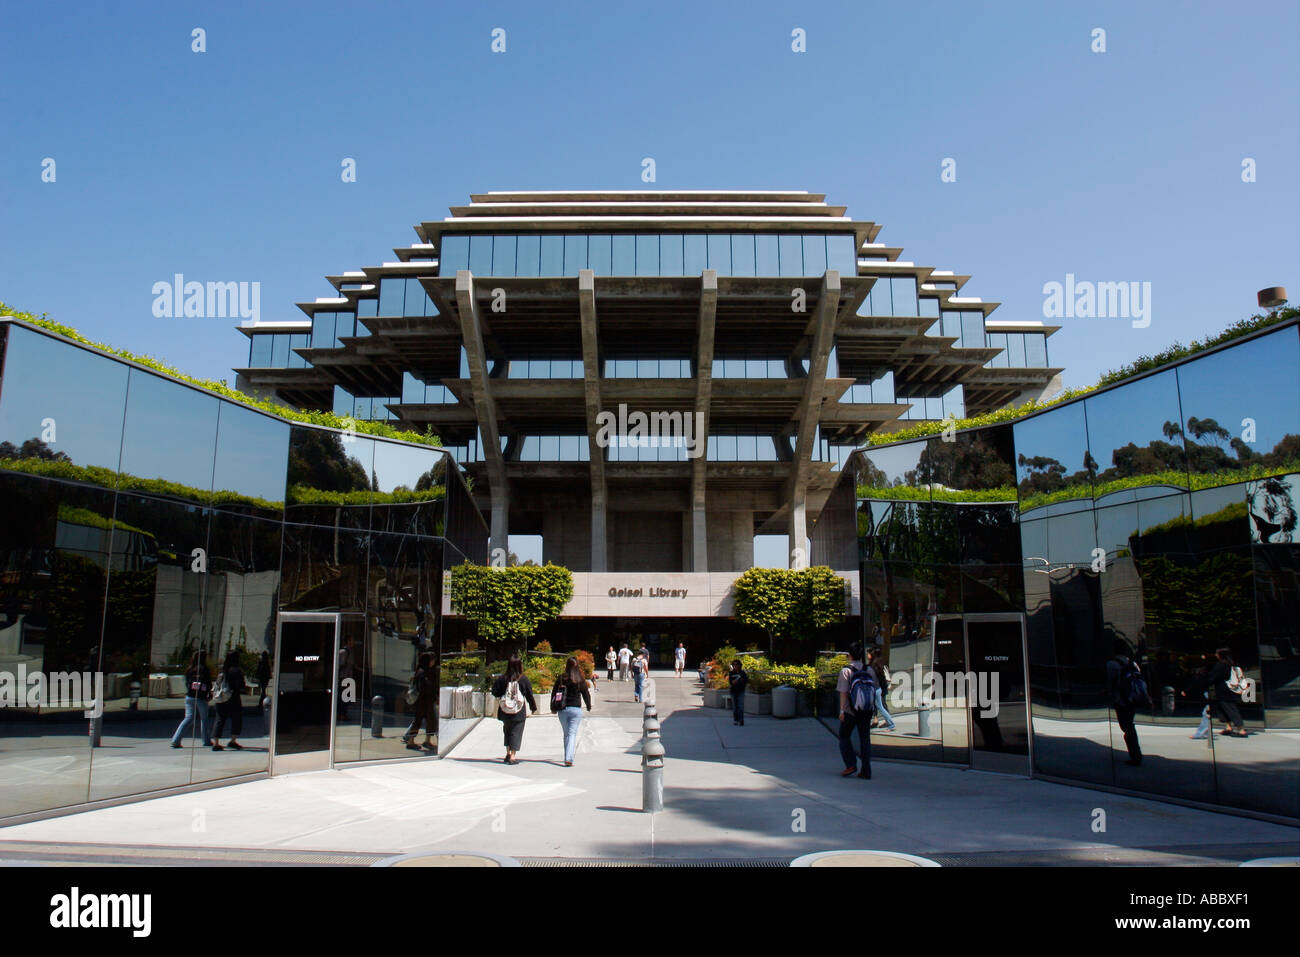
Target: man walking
1128, 692
624, 661
857, 689
639, 665
679, 658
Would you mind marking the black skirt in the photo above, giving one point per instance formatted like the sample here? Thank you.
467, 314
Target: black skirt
512, 727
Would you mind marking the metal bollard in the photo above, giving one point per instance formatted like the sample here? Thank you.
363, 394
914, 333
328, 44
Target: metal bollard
652, 768
96, 729
266, 714
377, 716
646, 716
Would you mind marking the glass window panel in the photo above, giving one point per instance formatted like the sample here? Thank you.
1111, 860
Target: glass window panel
624, 256
998, 340
480, 256
719, 251
1035, 350
670, 254
252, 454
1136, 439
503, 255
453, 254
412, 389
170, 433
814, 255
300, 341
647, 255
695, 254
880, 302
368, 307
647, 368
575, 254
840, 254
550, 448
528, 256
279, 351
259, 352
791, 249
727, 445
747, 448
569, 450
928, 307
972, 330
552, 256
767, 260
600, 254
391, 295
418, 302
742, 254
904, 289
344, 325
755, 369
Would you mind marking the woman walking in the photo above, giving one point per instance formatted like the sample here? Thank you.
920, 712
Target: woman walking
1225, 678
571, 693
737, 679
232, 708
876, 662
198, 687
424, 707
611, 662
514, 694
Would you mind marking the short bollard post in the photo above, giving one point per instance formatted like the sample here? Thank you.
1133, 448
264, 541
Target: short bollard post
377, 716
652, 769
266, 714
96, 729
648, 715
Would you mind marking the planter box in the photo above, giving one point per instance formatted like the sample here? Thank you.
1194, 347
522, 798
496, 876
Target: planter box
713, 697
828, 704
758, 703
804, 705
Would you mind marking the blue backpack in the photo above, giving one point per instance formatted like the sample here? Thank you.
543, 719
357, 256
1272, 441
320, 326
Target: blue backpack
1132, 685
862, 690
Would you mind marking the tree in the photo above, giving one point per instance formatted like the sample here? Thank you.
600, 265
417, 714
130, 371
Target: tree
788, 603
510, 603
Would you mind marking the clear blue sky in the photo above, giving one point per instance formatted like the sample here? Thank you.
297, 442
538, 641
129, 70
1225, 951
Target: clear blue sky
1124, 165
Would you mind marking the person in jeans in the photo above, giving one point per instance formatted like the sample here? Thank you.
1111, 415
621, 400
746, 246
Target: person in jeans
877, 663
576, 695
514, 694
426, 705
1125, 712
232, 709
851, 719
737, 680
198, 688
639, 665
611, 662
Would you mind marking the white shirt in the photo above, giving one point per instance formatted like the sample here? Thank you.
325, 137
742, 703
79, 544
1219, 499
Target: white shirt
624, 656
681, 654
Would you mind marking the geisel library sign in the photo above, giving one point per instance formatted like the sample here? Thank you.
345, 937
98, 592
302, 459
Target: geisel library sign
663, 595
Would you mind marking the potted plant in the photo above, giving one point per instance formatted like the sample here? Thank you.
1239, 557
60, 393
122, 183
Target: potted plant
715, 690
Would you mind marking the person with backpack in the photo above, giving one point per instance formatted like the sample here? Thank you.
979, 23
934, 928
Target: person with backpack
230, 707
624, 662
1128, 692
514, 694
640, 664
857, 687
1226, 679
424, 707
567, 698
737, 680
198, 688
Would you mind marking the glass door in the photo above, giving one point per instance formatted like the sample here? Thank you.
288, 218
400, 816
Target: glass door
303, 692
999, 706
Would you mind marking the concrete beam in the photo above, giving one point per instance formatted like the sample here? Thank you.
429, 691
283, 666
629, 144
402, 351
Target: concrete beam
823, 337
703, 396
471, 323
591, 394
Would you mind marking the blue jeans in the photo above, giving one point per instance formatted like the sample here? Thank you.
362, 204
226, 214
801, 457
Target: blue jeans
640, 682
570, 718
1204, 729
188, 720
738, 706
880, 709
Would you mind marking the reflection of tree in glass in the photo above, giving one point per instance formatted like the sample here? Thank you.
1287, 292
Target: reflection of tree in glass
32, 449
318, 459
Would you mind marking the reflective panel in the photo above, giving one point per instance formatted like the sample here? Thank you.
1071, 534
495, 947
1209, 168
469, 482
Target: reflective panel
719, 252
410, 485
480, 255
767, 258
600, 254
169, 438
647, 255
624, 257
503, 256
814, 255
528, 256
695, 254
252, 454
1053, 467
1136, 439
453, 255
552, 256
575, 254
670, 255
329, 478
790, 249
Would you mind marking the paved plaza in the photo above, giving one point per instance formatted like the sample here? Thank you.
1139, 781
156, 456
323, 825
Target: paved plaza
769, 791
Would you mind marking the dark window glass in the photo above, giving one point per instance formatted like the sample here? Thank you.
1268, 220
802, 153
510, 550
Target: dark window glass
575, 254
791, 249
528, 256
170, 434
417, 300
647, 255
600, 254
503, 255
252, 453
742, 254
329, 478
296, 342
552, 256
695, 253
367, 307
928, 307
480, 256
411, 488
279, 351
624, 255
322, 330
670, 254
972, 330
814, 255
344, 326
1035, 350
259, 353
878, 300
719, 252
391, 295
767, 260
904, 290
998, 340
412, 389
453, 254
1135, 436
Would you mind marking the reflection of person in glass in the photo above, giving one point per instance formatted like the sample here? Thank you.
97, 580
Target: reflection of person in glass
423, 709
232, 709
198, 687
1223, 674
1120, 673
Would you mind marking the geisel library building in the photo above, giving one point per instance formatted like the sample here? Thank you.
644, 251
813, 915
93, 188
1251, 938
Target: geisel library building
775, 331
142, 517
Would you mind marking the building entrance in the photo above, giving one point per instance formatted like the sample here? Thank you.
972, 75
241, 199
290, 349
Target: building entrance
304, 685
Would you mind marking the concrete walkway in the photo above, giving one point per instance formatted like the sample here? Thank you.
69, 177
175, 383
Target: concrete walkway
770, 790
